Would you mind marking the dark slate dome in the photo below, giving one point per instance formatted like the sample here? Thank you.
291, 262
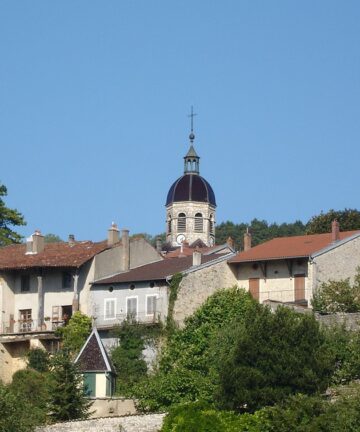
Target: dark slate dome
191, 187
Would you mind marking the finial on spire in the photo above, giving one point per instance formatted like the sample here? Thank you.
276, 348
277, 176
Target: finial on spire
192, 115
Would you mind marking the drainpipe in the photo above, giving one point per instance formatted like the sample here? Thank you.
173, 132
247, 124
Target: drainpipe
40, 300
75, 304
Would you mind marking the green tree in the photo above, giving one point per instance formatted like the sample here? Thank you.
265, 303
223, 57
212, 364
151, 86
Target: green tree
338, 296
349, 219
38, 359
186, 370
74, 334
52, 238
15, 412
273, 356
128, 358
9, 218
33, 387
67, 398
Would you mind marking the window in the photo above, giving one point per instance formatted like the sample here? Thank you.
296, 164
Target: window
131, 307
151, 304
199, 223
169, 225
181, 222
212, 224
110, 308
66, 279
25, 283
25, 320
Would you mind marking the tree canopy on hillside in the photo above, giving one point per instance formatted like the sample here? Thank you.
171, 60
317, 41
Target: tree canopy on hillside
349, 219
8, 219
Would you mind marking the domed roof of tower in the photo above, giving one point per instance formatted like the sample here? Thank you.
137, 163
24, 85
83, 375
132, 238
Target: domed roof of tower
191, 187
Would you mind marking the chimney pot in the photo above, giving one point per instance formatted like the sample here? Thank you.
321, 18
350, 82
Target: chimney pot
38, 242
335, 231
230, 242
158, 245
113, 235
71, 239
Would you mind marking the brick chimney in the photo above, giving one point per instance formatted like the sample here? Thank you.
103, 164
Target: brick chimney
196, 258
38, 242
230, 242
335, 231
113, 235
247, 240
126, 249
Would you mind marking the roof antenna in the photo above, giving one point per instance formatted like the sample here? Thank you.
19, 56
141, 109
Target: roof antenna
192, 115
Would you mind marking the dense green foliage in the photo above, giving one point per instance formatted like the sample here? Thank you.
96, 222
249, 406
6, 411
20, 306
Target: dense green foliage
67, 399
186, 370
273, 355
260, 230
349, 219
338, 296
74, 334
15, 412
52, 238
173, 292
127, 358
38, 359
32, 386
9, 218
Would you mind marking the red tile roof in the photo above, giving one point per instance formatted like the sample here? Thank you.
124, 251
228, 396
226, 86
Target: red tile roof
288, 247
156, 271
54, 255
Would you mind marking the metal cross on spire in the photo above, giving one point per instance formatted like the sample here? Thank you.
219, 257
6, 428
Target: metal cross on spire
192, 115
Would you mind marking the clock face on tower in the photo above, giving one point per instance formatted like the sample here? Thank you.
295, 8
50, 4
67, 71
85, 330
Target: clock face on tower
180, 239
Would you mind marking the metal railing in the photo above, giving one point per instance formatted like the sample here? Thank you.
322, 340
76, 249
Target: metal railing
29, 326
103, 321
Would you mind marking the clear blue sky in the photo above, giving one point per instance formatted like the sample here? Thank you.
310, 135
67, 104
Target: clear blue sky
94, 97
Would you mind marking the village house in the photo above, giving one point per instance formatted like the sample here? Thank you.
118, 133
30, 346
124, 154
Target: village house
41, 285
291, 269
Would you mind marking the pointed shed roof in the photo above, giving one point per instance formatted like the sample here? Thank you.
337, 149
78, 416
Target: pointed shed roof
92, 356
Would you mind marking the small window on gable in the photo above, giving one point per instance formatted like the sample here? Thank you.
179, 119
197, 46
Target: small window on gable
109, 308
181, 222
151, 305
25, 283
199, 225
66, 279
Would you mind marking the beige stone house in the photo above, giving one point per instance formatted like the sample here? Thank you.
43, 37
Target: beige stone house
290, 269
41, 285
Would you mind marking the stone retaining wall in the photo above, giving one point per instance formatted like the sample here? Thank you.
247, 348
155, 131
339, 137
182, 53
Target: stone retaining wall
144, 423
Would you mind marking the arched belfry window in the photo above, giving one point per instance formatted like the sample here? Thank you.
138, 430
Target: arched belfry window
212, 224
199, 224
169, 224
181, 223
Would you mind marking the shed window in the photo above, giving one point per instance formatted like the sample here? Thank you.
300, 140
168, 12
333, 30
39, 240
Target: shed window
181, 222
199, 225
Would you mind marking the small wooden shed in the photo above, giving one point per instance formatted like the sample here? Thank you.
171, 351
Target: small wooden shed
96, 367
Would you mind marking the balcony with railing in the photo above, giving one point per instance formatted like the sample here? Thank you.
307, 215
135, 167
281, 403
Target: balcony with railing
29, 326
105, 322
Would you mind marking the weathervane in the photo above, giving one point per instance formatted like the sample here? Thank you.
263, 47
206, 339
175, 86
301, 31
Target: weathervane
192, 115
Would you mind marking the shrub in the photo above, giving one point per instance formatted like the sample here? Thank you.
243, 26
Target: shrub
273, 356
186, 369
38, 359
74, 334
338, 296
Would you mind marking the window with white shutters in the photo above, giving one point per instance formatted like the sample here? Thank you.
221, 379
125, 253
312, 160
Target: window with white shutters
150, 305
109, 308
131, 307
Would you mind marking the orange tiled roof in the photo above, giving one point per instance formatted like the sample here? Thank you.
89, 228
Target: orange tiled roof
54, 255
288, 247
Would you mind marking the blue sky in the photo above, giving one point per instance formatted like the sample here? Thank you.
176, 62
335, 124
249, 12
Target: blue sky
94, 97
